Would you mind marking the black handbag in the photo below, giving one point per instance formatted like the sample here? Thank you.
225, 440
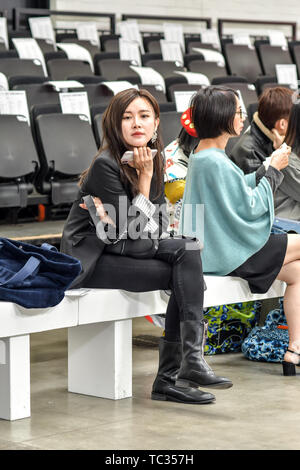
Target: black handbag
33, 276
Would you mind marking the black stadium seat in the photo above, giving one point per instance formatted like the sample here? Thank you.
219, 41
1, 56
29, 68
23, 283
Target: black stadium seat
272, 55
296, 53
181, 87
86, 44
98, 94
210, 69
228, 79
55, 55
110, 42
117, 69
248, 90
190, 43
188, 58
170, 126
26, 80
103, 56
97, 125
5, 54
45, 45
15, 67
89, 79
252, 108
156, 91
150, 56
18, 160
165, 68
243, 61
63, 69
38, 93
66, 147
152, 43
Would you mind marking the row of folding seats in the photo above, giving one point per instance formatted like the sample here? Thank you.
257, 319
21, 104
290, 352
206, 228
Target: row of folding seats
106, 64
107, 42
254, 62
23, 75
38, 91
241, 62
248, 62
108, 68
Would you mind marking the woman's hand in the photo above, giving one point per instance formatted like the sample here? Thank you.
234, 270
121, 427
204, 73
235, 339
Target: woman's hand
280, 158
142, 161
104, 217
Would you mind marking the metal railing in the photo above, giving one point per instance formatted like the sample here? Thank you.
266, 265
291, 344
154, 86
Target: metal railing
222, 21
206, 21
21, 16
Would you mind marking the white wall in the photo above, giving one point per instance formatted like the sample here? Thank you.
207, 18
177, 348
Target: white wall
275, 10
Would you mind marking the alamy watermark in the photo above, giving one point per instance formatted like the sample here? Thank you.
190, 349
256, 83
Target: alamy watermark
114, 223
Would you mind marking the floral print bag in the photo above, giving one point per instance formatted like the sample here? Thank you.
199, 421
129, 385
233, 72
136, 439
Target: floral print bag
229, 325
269, 342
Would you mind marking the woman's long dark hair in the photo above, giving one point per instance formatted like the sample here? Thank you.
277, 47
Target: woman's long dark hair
292, 136
186, 142
113, 138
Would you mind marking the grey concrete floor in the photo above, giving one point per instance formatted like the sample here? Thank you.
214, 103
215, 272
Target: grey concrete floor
261, 411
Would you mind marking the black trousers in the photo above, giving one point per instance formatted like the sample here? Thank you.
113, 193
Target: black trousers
176, 265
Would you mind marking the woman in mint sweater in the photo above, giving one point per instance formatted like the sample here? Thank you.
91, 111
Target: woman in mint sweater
239, 210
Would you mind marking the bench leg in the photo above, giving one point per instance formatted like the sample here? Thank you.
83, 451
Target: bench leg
15, 377
100, 359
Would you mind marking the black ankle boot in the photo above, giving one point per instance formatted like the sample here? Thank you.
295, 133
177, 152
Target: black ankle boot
164, 387
194, 370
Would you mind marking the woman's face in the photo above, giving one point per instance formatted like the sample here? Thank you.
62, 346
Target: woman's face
239, 118
138, 123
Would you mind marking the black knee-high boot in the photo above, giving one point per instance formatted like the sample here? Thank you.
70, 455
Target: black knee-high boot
194, 370
164, 387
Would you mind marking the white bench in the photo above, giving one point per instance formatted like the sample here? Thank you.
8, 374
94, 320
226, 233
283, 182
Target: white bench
99, 338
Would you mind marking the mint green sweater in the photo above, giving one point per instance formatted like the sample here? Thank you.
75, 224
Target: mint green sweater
238, 215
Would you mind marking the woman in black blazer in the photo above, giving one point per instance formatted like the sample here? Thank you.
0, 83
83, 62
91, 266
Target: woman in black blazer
122, 243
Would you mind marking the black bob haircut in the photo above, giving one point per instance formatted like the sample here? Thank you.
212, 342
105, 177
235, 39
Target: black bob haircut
213, 111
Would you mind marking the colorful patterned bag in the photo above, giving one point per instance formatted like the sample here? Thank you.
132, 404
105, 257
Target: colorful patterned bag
268, 343
228, 326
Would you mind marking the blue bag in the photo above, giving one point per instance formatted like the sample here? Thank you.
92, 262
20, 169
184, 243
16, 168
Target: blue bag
282, 225
228, 326
33, 276
268, 343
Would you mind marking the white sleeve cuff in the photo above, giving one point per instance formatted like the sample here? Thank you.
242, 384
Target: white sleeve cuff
144, 205
151, 226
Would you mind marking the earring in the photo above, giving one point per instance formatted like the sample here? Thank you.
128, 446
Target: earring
154, 137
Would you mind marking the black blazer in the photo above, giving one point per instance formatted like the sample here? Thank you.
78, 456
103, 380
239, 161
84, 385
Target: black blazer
79, 237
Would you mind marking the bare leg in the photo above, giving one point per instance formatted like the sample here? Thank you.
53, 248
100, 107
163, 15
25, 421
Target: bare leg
290, 273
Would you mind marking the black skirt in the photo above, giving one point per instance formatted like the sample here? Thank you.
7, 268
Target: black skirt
262, 268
